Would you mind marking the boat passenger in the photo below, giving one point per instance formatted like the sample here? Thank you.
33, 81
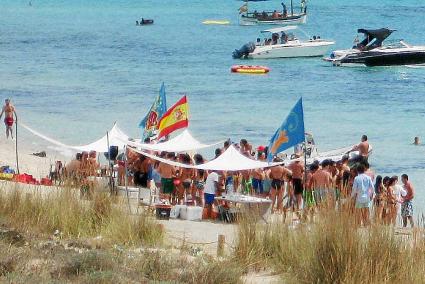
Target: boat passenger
258, 43
275, 38
284, 11
275, 15
264, 15
283, 38
255, 14
137, 23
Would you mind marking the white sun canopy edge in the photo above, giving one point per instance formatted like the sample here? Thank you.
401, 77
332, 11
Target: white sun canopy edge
230, 160
116, 138
280, 29
184, 142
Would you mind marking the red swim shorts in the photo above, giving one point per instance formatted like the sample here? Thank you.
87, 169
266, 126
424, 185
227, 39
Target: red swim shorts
8, 121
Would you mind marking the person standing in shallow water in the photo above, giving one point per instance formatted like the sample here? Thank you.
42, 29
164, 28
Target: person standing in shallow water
8, 110
407, 205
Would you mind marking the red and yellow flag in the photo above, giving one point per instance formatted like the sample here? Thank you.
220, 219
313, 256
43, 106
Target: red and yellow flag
176, 117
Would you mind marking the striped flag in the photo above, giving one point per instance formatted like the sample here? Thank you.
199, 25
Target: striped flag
176, 117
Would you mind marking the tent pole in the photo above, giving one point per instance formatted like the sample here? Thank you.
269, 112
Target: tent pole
126, 178
111, 187
16, 144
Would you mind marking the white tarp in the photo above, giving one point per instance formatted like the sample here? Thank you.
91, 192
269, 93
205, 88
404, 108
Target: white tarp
116, 138
230, 160
184, 142
233, 160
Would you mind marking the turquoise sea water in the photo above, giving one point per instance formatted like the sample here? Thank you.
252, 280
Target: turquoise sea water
74, 67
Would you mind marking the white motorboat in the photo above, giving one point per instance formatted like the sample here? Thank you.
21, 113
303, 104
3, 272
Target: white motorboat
372, 52
282, 43
313, 154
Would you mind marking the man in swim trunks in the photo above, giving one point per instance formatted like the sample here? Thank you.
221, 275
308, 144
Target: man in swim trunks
407, 205
277, 175
297, 169
257, 181
321, 182
167, 173
8, 110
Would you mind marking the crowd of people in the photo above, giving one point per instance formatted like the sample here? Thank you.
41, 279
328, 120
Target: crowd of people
79, 170
328, 184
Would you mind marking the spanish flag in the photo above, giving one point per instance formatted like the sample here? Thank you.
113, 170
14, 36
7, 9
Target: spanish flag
176, 117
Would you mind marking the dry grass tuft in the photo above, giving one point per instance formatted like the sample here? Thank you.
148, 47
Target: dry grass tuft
333, 250
63, 210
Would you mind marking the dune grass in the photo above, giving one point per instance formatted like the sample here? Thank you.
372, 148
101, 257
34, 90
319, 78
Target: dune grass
62, 210
332, 250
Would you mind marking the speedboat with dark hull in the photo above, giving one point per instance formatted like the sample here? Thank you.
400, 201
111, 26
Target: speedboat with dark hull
372, 51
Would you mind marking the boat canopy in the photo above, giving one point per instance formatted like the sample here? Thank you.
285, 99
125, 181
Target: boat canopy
280, 29
378, 36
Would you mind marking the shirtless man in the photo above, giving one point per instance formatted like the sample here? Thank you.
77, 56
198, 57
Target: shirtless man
277, 175
8, 110
363, 148
257, 181
167, 173
297, 169
246, 148
407, 205
321, 182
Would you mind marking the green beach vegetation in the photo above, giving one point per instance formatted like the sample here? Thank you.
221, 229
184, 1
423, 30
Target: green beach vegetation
58, 236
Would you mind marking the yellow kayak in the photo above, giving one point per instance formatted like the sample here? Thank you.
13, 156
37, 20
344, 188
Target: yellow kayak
216, 22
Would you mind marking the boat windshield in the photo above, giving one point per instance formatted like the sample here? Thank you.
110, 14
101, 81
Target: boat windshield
277, 38
395, 43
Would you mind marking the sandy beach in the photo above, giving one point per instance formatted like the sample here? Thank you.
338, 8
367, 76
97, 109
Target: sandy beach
28, 163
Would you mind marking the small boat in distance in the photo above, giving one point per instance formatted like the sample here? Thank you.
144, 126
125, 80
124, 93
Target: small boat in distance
282, 43
144, 22
216, 22
372, 52
283, 17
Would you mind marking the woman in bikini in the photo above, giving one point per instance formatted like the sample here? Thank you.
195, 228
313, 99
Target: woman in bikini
391, 202
199, 181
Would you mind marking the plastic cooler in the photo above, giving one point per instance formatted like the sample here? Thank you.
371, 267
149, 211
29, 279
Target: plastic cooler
175, 211
191, 213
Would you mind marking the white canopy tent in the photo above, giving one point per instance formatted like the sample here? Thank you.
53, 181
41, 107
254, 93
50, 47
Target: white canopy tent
233, 160
184, 142
230, 160
116, 138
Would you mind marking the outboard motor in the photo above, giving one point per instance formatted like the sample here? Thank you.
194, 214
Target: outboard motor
244, 51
